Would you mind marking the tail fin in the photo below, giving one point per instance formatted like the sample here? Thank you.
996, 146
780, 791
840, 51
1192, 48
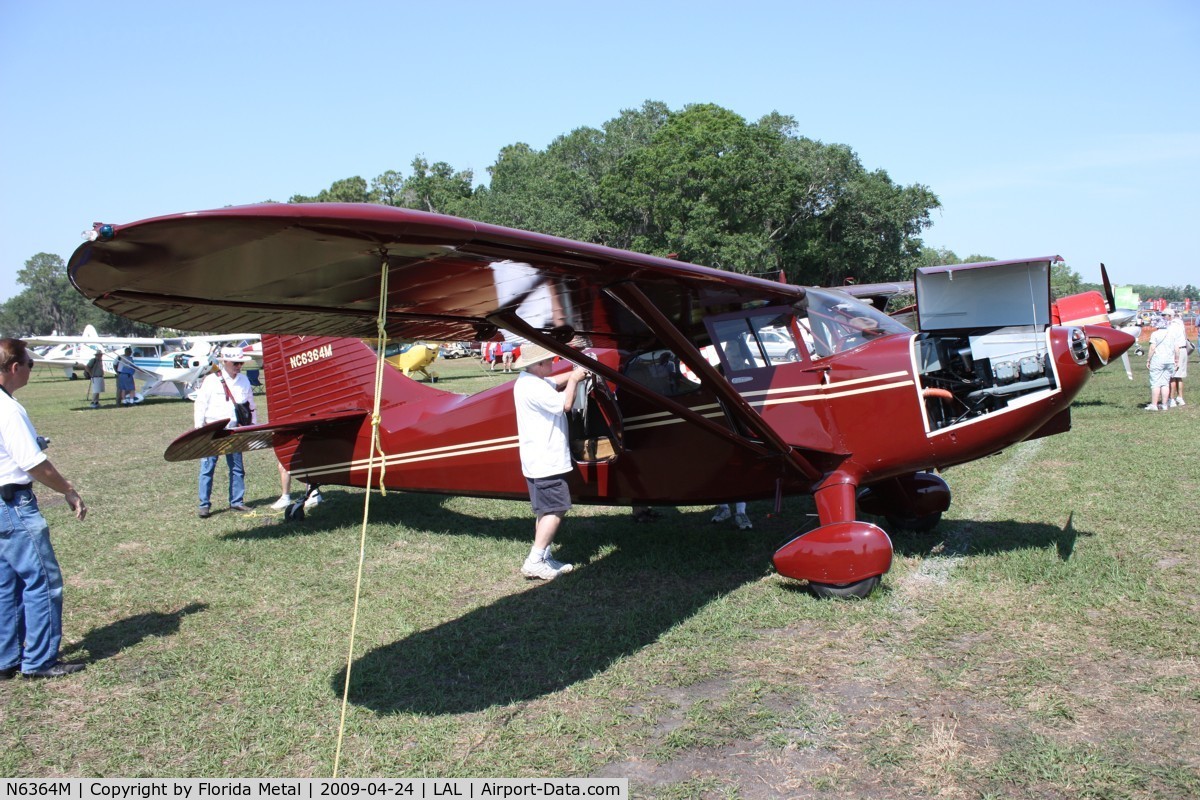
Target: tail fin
317, 375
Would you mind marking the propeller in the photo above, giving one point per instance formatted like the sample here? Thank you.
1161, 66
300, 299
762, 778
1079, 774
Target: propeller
1119, 317
1108, 290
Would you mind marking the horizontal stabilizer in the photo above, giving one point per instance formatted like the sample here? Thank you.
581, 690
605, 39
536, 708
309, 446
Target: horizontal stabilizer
214, 439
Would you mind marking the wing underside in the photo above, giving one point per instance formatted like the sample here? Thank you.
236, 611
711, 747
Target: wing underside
321, 269
318, 269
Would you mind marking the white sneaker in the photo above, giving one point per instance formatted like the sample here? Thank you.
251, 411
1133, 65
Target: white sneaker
723, 513
312, 500
283, 502
561, 567
544, 570
1151, 407
743, 522
1171, 403
1180, 402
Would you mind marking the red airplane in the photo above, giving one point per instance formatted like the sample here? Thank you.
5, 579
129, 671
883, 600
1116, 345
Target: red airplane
813, 391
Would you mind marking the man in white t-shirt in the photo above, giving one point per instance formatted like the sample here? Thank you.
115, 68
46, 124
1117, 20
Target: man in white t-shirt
1178, 332
31, 583
542, 401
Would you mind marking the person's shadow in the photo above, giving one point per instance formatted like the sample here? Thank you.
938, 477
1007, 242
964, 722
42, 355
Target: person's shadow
107, 641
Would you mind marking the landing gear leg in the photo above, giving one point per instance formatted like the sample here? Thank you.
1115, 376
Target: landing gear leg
844, 557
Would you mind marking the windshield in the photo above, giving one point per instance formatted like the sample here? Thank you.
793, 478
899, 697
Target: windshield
838, 322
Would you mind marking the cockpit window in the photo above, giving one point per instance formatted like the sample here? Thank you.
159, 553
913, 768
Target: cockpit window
838, 322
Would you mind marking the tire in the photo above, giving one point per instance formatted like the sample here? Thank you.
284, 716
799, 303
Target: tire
916, 524
791, 355
858, 590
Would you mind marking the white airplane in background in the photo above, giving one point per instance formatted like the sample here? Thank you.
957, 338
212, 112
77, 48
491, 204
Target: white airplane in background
70, 353
166, 367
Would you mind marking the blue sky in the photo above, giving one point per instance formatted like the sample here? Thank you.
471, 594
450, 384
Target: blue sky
1068, 128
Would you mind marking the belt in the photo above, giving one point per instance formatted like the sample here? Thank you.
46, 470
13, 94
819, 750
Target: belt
9, 490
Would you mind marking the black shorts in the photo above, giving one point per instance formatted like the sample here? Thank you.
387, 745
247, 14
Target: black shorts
549, 495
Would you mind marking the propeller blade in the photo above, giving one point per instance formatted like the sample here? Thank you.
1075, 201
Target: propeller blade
1108, 290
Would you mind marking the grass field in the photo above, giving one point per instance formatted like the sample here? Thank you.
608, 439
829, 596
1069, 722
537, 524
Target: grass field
1041, 643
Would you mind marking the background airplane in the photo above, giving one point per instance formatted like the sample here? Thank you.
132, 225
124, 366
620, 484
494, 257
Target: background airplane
166, 366
861, 416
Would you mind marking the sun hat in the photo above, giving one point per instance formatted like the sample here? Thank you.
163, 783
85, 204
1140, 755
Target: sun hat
234, 354
540, 359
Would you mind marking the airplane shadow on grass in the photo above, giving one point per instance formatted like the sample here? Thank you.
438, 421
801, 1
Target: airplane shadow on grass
648, 580
418, 511
553, 635
976, 538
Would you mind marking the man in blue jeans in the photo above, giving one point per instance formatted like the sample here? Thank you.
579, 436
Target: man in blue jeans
30, 581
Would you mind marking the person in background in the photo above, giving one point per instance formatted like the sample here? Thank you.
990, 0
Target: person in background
215, 400
542, 402
125, 370
31, 582
1160, 361
1177, 330
312, 495
740, 518
506, 354
94, 372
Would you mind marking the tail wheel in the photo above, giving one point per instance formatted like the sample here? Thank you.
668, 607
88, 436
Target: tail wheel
858, 590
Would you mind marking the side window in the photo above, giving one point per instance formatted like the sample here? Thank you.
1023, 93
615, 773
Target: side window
734, 339
758, 340
661, 371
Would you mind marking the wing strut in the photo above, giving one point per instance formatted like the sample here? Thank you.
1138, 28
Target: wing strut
634, 299
509, 320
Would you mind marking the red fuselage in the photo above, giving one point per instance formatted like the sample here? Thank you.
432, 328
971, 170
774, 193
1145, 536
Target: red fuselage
860, 414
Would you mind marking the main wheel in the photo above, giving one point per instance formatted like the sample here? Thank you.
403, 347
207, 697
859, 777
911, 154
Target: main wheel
918, 524
858, 590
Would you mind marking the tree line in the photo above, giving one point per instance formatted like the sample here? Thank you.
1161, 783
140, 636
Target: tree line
701, 184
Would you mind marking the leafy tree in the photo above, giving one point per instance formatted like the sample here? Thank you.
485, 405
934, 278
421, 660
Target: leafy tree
702, 183
386, 189
48, 303
936, 257
1064, 280
706, 185
437, 188
347, 190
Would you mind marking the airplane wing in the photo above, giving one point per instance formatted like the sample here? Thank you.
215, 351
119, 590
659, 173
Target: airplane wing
877, 294
316, 269
322, 269
214, 439
223, 338
95, 341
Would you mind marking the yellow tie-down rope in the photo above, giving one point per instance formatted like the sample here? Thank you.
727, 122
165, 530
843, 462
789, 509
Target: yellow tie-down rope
381, 336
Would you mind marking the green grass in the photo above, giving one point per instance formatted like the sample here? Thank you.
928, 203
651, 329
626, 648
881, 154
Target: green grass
1040, 643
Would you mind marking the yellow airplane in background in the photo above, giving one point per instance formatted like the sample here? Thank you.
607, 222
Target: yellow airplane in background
410, 357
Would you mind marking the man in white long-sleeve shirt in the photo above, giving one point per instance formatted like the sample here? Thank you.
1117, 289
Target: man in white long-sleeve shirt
218, 394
